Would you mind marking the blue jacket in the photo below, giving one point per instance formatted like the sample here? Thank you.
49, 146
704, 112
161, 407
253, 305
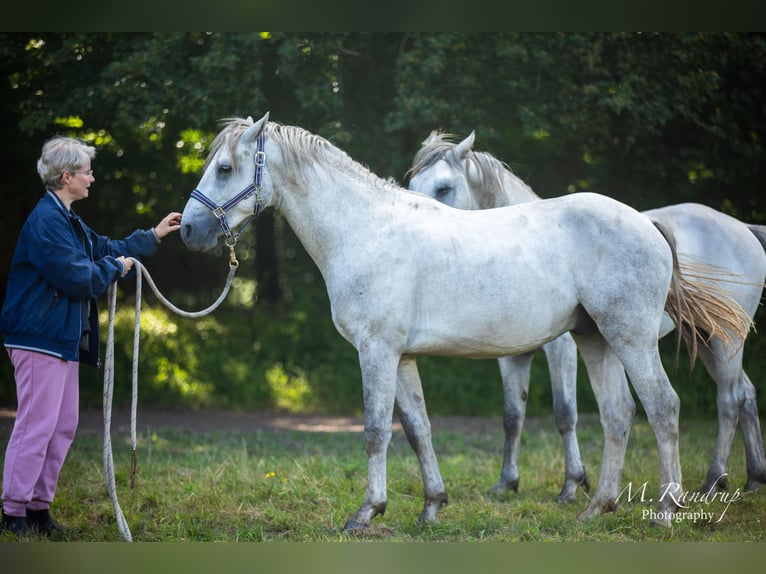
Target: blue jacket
59, 268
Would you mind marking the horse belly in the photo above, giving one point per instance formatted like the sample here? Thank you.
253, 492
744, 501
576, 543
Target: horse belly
505, 323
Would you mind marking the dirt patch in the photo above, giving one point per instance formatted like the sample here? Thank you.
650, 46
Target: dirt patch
92, 421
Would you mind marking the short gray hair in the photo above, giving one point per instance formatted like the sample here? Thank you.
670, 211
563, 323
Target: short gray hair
60, 155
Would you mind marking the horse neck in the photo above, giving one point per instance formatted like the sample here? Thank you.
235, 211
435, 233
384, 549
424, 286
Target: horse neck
495, 185
332, 210
514, 191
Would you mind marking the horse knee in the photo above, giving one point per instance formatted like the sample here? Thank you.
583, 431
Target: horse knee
566, 417
617, 417
663, 408
376, 439
513, 421
617, 426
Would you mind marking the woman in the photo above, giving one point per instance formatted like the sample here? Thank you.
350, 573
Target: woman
49, 323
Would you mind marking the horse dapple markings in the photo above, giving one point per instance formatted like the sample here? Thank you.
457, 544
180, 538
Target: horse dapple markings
455, 174
353, 224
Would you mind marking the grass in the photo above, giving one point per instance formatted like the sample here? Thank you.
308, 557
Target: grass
302, 487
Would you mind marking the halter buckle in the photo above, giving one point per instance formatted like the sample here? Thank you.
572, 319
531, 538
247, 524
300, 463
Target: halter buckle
219, 212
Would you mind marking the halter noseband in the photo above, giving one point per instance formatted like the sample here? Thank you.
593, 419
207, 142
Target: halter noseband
254, 188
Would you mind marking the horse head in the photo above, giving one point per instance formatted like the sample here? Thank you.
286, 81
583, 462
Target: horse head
230, 192
439, 170
456, 174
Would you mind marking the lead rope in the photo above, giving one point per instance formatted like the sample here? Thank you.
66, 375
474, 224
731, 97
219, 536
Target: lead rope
122, 524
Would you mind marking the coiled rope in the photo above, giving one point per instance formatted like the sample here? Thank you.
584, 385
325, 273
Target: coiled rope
109, 373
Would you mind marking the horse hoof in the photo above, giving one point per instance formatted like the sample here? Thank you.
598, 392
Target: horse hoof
596, 508
352, 525
502, 487
568, 492
428, 516
754, 482
715, 481
565, 497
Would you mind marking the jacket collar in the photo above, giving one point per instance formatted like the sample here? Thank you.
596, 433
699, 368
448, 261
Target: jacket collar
60, 204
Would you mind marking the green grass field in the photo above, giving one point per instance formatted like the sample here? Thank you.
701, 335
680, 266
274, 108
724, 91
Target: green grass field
302, 486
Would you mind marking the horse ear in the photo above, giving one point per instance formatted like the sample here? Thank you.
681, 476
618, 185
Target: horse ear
253, 131
433, 137
462, 149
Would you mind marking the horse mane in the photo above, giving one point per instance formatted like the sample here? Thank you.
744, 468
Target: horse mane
486, 180
300, 148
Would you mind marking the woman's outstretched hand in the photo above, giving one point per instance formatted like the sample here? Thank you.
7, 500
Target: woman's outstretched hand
171, 222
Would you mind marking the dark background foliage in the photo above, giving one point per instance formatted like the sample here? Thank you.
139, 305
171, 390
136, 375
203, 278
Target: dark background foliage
650, 119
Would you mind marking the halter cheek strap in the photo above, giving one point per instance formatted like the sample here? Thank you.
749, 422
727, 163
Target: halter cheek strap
253, 189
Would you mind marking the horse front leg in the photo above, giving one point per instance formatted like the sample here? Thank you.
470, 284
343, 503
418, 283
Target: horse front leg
562, 364
514, 372
411, 406
379, 366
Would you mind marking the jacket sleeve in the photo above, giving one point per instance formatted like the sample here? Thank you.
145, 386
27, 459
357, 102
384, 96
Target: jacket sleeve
140, 243
54, 250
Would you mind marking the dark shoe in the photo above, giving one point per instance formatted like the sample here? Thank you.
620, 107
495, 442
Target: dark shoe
18, 525
42, 521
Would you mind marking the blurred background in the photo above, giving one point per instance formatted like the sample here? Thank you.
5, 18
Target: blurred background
649, 119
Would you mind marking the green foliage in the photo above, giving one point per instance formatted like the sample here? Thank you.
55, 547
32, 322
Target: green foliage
648, 118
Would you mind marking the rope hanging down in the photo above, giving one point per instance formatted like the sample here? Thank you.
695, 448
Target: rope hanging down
109, 373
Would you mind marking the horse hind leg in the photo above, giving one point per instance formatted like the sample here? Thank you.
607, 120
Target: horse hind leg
661, 405
727, 376
616, 411
411, 407
735, 402
750, 426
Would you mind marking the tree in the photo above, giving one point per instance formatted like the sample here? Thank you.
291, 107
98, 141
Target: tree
650, 119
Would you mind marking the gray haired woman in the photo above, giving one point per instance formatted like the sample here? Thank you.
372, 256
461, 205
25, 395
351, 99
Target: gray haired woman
49, 324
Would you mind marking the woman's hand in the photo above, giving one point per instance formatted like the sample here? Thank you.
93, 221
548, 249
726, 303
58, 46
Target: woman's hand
171, 222
127, 264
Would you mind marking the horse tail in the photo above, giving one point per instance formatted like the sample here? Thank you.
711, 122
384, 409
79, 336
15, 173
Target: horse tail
701, 307
760, 233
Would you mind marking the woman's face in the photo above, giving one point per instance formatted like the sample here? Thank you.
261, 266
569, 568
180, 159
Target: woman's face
76, 183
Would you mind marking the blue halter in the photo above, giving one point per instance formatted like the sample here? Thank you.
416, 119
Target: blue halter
254, 188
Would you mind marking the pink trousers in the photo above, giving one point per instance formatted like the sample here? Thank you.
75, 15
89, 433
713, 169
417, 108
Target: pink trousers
48, 395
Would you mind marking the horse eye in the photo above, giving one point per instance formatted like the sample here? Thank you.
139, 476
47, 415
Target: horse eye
443, 190
224, 169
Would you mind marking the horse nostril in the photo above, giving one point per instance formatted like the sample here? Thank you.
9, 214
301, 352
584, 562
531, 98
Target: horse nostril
186, 230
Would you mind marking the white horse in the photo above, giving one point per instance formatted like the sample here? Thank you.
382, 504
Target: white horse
407, 275
458, 176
